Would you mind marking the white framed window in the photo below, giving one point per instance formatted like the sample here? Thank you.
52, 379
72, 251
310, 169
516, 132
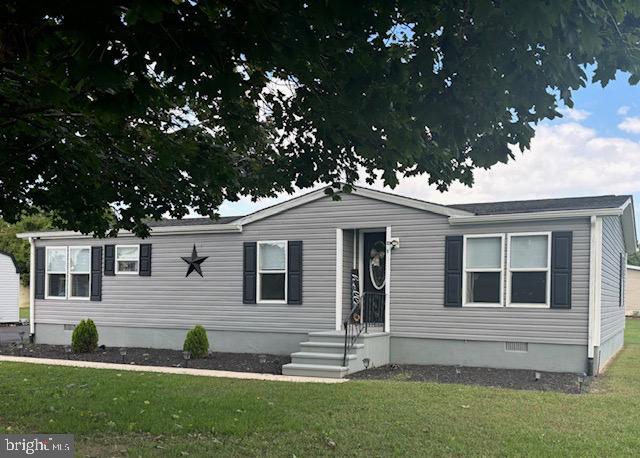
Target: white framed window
483, 267
56, 273
127, 259
529, 269
79, 272
272, 271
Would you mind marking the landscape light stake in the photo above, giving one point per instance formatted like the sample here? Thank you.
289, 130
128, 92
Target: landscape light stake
67, 351
22, 333
186, 355
581, 379
262, 359
538, 375
20, 348
123, 354
366, 362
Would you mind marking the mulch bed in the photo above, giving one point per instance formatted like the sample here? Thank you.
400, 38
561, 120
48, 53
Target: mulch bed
517, 379
235, 362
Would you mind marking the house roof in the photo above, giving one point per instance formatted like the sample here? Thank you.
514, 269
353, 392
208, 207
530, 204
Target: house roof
539, 205
478, 213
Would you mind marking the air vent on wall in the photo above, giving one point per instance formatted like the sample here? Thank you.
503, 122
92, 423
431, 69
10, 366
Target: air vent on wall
69, 327
521, 347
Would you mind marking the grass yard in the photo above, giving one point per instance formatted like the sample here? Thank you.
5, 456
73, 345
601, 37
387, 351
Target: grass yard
114, 413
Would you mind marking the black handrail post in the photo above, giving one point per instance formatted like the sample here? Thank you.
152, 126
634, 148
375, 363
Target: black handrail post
346, 333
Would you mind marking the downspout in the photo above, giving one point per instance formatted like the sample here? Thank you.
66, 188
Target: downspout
595, 287
32, 288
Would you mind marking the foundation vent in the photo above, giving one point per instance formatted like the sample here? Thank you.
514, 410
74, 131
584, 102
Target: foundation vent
521, 347
69, 327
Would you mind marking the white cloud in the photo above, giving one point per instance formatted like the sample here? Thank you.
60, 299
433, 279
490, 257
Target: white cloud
631, 125
564, 160
623, 110
574, 114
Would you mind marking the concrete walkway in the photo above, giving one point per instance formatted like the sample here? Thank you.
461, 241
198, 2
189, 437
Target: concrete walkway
169, 370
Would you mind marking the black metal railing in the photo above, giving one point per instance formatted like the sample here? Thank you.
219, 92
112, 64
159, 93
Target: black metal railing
367, 312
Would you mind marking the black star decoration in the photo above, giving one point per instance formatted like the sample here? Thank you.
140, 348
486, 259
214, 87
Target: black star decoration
194, 262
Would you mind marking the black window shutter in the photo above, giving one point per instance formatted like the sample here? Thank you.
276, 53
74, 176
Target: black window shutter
294, 273
96, 273
249, 275
453, 271
109, 260
41, 259
561, 260
145, 260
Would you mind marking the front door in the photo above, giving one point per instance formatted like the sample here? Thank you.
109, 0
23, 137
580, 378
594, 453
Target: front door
374, 275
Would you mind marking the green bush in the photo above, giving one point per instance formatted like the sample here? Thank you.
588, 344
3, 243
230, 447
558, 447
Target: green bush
85, 337
196, 342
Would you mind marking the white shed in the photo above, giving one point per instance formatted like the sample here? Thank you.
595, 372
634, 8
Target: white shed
9, 289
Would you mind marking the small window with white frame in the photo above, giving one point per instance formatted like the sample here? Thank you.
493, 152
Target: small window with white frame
127, 259
56, 273
79, 272
529, 262
272, 271
483, 266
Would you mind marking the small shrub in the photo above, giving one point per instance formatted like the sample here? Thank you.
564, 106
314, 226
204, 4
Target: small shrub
196, 342
85, 337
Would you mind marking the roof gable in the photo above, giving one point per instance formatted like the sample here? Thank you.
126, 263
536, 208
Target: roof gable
358, 191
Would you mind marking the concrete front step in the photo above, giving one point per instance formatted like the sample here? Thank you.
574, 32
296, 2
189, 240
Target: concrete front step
322, 355
328, 347
324, 359
314, 370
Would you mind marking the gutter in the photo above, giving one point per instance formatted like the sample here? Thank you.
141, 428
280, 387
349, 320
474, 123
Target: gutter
534, 216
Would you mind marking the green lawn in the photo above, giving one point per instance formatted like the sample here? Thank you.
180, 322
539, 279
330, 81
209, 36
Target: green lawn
115, 413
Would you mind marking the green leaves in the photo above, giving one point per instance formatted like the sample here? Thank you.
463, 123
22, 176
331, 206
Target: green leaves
113, 113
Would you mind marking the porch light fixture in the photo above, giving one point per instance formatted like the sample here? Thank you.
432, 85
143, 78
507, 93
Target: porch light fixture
123, 354
186, 355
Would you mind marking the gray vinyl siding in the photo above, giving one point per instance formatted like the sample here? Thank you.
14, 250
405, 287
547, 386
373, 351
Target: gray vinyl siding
612, 314
167, 299
417, 288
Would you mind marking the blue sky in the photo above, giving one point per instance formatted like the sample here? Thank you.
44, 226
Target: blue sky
593, 150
